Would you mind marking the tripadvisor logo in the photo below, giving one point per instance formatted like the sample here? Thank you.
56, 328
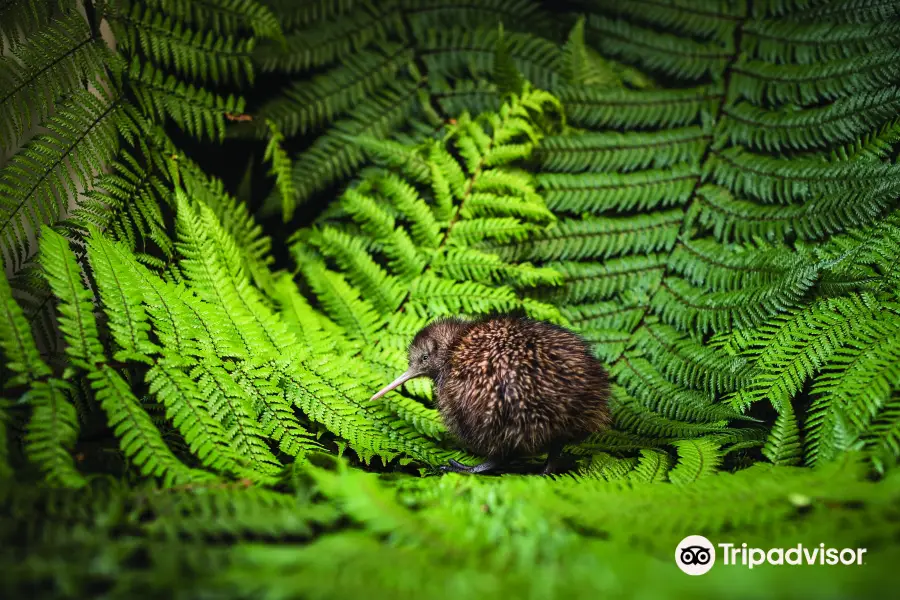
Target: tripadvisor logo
696, 555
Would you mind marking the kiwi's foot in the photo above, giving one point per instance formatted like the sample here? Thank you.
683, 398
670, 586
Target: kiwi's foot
556, 462
458, 467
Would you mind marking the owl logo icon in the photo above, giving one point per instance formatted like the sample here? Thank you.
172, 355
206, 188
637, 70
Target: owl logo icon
695, 555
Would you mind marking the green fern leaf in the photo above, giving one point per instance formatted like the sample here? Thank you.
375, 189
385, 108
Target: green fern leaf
140, 440
82, 132
52, 62
696, 459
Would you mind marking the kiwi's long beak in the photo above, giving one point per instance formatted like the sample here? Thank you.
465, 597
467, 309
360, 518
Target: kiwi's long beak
410, 374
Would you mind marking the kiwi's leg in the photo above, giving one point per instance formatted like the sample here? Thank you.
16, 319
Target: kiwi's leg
457, 467
555, 462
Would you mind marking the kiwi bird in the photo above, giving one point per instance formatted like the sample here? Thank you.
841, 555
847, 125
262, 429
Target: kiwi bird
508, 386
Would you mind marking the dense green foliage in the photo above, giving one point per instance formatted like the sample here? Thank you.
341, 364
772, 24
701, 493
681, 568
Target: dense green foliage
707, 191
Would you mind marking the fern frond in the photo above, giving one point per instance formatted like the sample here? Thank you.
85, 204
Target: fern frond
590, 282
53, 426
81, 135
584, 66
702, 19
626, 108
18, 19
53, 62
203, 56
597, 193
196, 110
884, 437
742, 220
669, 54
849, 11
804, 84
855, 385
320, 43
628, 152
139, 438
22, 358
330, 158
795, 346
506, 74
598, 238
844, 120
687, 362
653, 466
784, 446
223, 16
127, 201
696, 459
280, 169
52, 431
630, 415
451, 51
309, 104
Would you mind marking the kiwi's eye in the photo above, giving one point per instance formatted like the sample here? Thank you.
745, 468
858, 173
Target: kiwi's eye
424, 358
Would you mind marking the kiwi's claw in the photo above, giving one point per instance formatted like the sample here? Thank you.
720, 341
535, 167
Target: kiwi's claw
458, 467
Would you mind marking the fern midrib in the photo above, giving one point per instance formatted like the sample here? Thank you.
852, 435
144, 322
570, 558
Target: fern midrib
438, 97
180, 340
130, 411
182, 93
759, 218
76, 313
208, 264
244, 295
56, 426
603, 314
483, 51
823, 9
435, 8
764, 35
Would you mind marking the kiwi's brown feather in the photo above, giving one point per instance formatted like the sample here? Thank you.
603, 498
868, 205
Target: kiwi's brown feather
508, 385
